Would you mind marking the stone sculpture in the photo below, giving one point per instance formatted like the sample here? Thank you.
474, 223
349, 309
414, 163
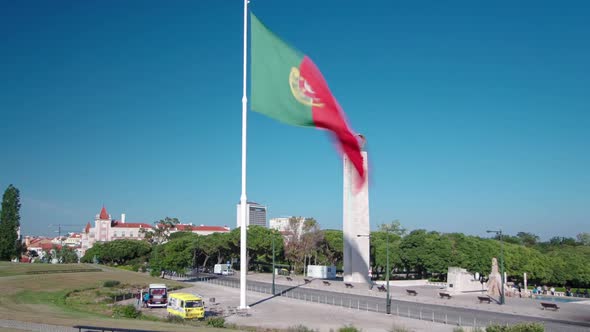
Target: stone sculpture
494, 281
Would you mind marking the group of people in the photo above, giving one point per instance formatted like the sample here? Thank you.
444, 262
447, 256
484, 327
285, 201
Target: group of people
144, 297
538, 290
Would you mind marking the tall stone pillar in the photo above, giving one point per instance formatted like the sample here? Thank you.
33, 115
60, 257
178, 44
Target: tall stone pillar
355, 223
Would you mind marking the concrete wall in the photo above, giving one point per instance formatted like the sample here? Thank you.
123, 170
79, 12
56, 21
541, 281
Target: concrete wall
355, 222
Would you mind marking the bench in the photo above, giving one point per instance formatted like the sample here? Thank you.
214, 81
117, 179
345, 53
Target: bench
546, 305
289, 279
443, 295
411, 292
307, 281
327, 283
348, 285
484, 299
381, 288
103, 329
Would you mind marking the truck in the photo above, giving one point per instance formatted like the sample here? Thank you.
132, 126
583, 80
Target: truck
158, 295
224, 269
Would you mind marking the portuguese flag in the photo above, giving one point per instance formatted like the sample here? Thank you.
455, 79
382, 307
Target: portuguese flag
287, 86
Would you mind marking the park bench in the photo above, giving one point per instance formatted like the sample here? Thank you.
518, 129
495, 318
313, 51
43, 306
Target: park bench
348, 285
484, 299
443, 295
546, 305
327, 283
289, 279
411, 292
104, 329
381, 288
307, 281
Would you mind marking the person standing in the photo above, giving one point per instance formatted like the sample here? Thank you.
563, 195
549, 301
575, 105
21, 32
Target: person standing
146, 298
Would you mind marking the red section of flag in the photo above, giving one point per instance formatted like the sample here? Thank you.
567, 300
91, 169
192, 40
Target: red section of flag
331, 117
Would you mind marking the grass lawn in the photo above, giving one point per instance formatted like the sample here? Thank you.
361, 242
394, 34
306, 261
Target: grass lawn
41, 298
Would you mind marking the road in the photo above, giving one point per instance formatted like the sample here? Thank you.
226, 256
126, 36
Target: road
423, 311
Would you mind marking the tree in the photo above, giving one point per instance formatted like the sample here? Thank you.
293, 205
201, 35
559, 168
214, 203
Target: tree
303, 239
528, 239
584, 238
118, 252
394, 227
379, 250
175, 255
332, 247
10, 224
67, 255
161, 231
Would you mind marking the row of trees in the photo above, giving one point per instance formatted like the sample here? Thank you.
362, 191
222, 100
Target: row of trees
559, 261
419, 253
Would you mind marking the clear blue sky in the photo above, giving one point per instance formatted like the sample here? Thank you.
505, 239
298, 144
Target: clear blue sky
476, 115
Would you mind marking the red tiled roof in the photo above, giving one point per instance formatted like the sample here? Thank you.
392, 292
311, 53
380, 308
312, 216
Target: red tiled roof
131, 225
211, 228
103, 214
189, 228
87, 228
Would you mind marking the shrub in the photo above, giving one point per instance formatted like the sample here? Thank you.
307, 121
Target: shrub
175, 319
127, 311
348, 328
216, 322
521, 327
111, 283
458, 329
300, 328
399, 329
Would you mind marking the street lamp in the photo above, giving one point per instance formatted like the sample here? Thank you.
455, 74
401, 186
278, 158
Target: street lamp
388, 298
499, 232
273, 265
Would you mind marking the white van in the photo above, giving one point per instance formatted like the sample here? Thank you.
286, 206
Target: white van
158, 295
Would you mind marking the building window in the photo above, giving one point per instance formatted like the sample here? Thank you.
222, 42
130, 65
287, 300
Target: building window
123, 234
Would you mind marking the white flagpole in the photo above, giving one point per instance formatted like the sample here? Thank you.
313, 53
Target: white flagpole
243, 200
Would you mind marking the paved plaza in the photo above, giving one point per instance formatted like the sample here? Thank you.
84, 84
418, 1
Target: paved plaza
284, 312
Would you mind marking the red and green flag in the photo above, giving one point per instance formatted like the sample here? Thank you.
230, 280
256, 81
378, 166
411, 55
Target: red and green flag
287, 86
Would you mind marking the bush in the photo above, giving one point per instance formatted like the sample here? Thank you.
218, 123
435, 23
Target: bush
348, 328
300, 328
175, 319
521, 327
216, 322
458, 329
126, 311
399, 329
110, 283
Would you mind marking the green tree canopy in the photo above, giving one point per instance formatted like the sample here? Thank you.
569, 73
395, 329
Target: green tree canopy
10, 224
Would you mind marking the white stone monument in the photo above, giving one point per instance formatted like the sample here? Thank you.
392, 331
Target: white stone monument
355, 223
494, 281
459, 280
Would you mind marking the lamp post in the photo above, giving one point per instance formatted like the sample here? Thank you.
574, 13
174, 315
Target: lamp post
499, 233
388, 298
273, 265
388, 301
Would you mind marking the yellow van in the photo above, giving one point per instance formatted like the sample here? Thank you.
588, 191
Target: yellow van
185, 305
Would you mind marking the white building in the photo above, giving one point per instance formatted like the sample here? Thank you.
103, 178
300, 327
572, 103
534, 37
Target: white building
106, 229
73, 240
256, 214
199, 230
282, 224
